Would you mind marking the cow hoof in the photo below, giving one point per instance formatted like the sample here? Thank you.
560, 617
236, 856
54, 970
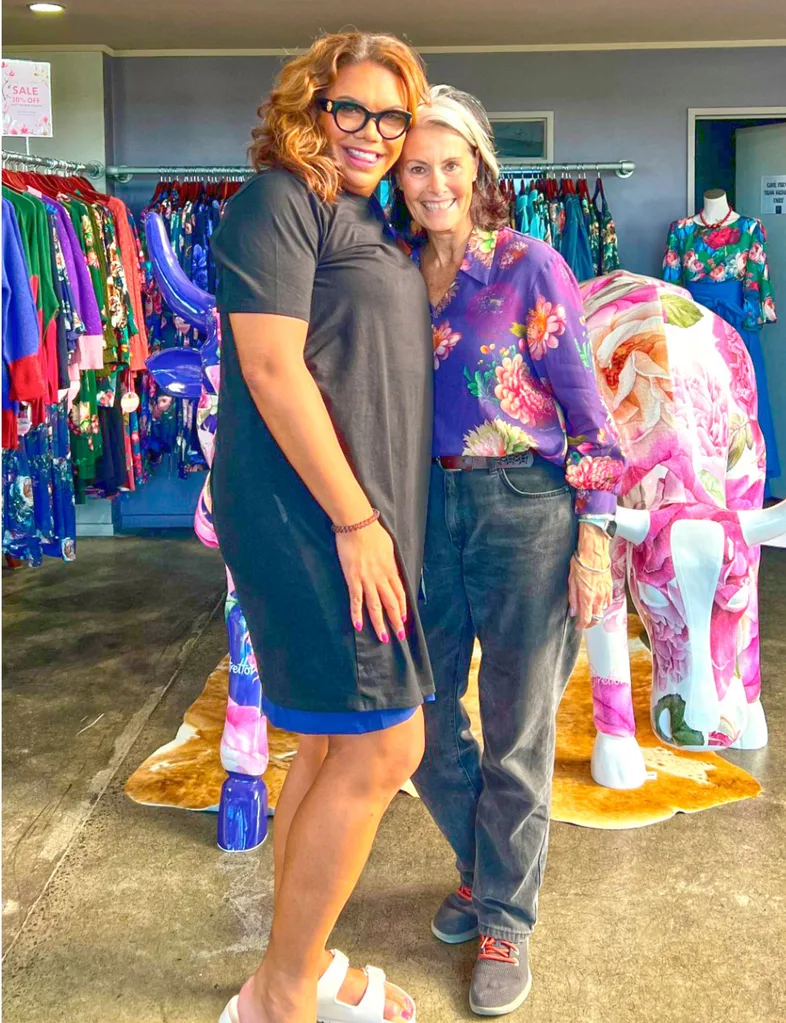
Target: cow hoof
755, 734
617, 762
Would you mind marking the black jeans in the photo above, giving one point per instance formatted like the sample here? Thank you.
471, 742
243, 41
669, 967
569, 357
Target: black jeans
498, 547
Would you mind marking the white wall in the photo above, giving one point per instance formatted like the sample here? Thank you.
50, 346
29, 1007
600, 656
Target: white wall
77, 107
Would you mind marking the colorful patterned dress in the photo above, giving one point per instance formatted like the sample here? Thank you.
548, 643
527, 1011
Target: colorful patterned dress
725, 269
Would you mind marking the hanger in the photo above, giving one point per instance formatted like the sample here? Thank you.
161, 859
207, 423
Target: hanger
599, 191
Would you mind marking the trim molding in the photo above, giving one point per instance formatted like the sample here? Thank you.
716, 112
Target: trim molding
718, 114
711, 44
91, 48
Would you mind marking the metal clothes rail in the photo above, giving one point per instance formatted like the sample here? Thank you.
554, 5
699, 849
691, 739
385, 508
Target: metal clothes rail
622, 168
123, 174
93, 169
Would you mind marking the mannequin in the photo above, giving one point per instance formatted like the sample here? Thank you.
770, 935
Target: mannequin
716, 210
720, 256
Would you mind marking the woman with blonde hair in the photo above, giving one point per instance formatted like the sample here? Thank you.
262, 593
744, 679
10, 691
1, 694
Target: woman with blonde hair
320, 488
526, 465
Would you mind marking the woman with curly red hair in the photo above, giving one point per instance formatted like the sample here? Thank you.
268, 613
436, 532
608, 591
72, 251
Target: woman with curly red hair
320, 488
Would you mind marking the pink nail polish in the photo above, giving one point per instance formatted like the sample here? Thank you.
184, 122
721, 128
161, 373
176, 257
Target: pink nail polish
385, 638
358, 626
404, 617
402, 635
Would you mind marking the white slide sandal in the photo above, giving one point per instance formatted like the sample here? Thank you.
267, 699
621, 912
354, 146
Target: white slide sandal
372, 1006
229, 1015
329, 1009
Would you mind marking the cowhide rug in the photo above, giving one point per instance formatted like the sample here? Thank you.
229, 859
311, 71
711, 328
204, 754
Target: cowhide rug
187, 772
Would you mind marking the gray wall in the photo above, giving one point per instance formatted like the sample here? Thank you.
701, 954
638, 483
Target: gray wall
608, 105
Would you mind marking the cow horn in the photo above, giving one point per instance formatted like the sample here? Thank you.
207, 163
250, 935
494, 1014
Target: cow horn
762, 524
633, 524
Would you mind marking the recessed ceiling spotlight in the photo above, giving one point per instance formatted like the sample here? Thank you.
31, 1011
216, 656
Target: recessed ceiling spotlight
46, 8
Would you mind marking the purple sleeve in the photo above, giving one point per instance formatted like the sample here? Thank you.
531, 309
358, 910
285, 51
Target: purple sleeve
562, 356
79, 275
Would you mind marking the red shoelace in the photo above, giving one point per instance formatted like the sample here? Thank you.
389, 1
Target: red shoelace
498, 951
465, 892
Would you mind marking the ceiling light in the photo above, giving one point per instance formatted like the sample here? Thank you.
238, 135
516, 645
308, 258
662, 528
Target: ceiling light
46, 8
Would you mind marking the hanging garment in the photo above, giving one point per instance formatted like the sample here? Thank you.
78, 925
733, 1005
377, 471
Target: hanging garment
556, 214
576, 249
23, 380
65, 274
521, 215
609, 246
539, 219
38, 493
590, 214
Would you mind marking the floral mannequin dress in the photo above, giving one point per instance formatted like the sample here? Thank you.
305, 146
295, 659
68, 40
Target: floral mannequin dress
725, 269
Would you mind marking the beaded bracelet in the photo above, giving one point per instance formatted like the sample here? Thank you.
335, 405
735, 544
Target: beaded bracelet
358, 525
595, 571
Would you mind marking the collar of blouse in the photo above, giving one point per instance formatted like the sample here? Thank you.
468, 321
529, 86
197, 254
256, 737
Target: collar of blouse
478, 258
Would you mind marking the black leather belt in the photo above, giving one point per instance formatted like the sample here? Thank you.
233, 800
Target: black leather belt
466, 463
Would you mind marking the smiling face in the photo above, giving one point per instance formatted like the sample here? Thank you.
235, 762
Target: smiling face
436, 174
364, 157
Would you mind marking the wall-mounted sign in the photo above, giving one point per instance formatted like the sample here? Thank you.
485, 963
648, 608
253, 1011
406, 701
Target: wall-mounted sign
27, 99
773, 194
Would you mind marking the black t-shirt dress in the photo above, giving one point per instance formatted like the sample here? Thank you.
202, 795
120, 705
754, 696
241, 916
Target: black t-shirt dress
281, 250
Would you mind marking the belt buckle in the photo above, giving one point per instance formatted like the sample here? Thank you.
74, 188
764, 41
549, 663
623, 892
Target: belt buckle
525, 460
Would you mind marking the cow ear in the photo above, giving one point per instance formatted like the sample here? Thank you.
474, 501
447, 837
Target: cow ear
763, 524
633, 524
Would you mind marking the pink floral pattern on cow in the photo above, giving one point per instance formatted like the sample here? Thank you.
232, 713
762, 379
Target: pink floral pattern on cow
680, 386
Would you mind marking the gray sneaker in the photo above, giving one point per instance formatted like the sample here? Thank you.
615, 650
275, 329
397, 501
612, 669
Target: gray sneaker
456, 920
501, 979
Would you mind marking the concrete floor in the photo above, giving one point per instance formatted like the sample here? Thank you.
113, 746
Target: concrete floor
116, 913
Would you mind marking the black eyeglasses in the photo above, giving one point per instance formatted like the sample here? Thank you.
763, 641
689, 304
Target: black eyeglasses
352, 117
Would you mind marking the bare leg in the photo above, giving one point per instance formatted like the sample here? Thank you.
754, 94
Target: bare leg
329, 839
301, 776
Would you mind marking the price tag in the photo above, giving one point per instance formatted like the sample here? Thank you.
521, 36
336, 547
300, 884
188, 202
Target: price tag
129, 402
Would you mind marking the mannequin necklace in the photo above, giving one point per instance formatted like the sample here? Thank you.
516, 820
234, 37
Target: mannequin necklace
720, 223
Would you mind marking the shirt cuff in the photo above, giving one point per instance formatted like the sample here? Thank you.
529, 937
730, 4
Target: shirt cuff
595, 502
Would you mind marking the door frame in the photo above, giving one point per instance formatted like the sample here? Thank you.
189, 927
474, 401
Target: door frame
718, 114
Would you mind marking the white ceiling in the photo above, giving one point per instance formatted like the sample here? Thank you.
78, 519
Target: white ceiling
272, 24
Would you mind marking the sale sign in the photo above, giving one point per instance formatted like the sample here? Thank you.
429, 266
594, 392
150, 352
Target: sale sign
27, 99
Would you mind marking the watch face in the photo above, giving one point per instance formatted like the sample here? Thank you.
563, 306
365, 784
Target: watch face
611, 528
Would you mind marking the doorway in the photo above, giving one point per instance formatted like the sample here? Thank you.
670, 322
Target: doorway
736, 149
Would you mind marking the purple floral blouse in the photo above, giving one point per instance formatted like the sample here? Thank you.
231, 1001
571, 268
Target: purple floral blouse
513, 367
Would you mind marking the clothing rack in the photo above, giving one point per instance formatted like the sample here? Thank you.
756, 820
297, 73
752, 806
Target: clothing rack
124, 174
93, 169
622, 168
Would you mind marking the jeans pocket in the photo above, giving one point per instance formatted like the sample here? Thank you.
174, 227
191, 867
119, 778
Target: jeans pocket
532, 484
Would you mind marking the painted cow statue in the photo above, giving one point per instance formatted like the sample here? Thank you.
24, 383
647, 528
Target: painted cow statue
195, 374
680, 385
